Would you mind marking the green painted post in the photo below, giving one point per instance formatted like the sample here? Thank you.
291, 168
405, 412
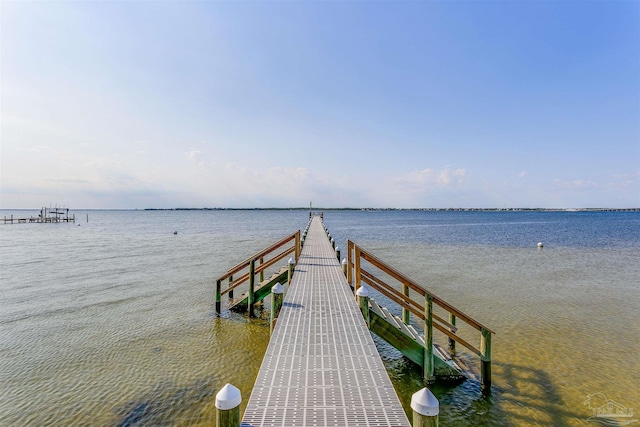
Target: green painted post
363, 300
452, 342
228, 402
485, 357
218, 296
277, 292
261, 271
252, 285
428, 339
425, 408
406, 314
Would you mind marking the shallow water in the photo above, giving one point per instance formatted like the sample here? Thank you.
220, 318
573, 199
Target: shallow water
110, 322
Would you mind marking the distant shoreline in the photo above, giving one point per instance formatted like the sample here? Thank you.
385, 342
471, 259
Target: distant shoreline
371, 209
408, 209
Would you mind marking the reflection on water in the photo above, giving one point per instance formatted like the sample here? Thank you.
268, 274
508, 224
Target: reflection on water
111, 322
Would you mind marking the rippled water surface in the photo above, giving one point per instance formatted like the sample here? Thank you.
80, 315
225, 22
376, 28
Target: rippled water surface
110, 321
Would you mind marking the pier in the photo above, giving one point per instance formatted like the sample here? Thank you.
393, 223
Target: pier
321, 367
46, 215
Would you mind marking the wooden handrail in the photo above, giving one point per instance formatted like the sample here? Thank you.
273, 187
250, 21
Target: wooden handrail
259, 255
420, 290
355, 256
250, 263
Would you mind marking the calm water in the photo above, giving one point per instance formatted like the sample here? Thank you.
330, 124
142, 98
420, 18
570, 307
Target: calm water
111, 322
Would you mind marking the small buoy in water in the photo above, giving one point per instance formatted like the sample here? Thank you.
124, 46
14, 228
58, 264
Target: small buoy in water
175, 232
540, 245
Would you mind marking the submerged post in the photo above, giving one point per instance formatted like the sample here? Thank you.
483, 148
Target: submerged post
277, 292
218, 296
428, 339
251, 299
425, 408
485, 357
363, 300
228, 402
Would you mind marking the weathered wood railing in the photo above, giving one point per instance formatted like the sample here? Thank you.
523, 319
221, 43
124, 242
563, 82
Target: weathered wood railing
255, 265
423, 310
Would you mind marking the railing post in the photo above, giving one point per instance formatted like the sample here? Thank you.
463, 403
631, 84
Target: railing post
344, 266
358, 274
231, 291
452, 342
276, 302
485, 357
350, 246
363, 300
261, 271
298, 245
428, 339
228, 402
338, 252
218, 297
425, 408
406, 314
252, 285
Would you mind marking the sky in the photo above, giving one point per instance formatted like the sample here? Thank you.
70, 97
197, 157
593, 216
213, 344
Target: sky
389, 104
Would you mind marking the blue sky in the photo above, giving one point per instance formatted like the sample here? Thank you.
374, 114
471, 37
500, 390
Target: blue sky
346, 104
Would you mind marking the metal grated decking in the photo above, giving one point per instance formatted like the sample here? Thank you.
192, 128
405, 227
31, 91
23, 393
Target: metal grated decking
321, 367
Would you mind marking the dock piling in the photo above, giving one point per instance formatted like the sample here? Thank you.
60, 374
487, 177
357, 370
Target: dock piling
425, 408
363, 300
252, 286
228, 402
277, 293
485, 357
428, 339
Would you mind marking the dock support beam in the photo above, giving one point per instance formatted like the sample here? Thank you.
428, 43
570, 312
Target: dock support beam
428, 339
228, 402
485, 367
425, 408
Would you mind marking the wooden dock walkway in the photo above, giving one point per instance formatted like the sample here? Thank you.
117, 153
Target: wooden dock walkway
321, 367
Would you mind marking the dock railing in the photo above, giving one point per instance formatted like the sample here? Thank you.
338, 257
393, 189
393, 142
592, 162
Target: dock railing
247, 270
447, 322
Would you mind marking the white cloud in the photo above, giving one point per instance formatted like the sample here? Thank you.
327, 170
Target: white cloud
421, 180
522, 174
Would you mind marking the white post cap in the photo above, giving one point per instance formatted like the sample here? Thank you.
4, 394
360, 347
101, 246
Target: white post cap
291, 261
277, 289
362, 292
337, 248
228, 398
344, 261
425, 403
